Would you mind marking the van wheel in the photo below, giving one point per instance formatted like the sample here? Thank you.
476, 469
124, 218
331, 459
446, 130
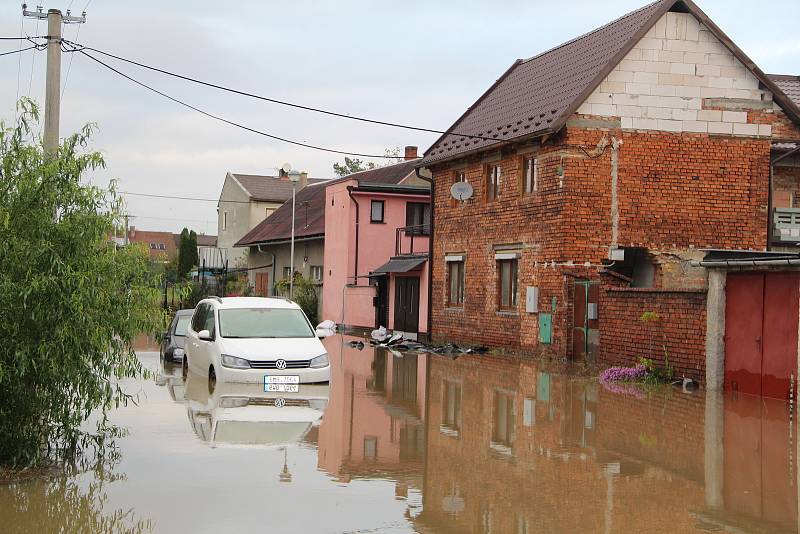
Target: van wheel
212, 379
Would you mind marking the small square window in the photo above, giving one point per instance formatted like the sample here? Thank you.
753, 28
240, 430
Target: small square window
316, 273
287, 271
376, 211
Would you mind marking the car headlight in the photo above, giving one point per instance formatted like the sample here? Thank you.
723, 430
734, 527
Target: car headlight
320, 361
233, 402
235, 363
178, 352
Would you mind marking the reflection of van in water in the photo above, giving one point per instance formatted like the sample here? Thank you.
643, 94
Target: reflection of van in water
244, 415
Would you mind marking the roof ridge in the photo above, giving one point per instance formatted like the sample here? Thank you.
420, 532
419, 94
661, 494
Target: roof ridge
785, 76
592, 32
381, 167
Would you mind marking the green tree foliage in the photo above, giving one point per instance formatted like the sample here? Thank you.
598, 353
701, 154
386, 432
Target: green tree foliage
187, 253
70, 303
352, 165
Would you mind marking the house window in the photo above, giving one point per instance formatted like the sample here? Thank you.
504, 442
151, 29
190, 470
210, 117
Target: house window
153, 246
455, 284
507, 283
316, 273
376, 211
530, 175
493, 174
162, 246
268, 211
451, 406
418, 218
503, 420
458, 176
287, 272
224, 220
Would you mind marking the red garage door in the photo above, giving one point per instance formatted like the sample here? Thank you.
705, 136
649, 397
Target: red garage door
761, 322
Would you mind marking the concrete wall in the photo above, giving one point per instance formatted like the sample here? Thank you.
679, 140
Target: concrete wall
306, 255
377, 242
662, 83
242, 216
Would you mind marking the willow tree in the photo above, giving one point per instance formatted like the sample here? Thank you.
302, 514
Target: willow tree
71, 304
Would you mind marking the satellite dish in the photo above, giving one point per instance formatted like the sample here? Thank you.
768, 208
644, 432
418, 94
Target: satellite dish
286, 167
461, 191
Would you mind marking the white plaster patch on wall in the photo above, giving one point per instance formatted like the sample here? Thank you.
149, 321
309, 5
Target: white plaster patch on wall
661, 83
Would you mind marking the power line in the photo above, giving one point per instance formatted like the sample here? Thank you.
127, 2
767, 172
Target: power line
19, 62
226, 121
19, 52
273, 100
171, 197
33, 62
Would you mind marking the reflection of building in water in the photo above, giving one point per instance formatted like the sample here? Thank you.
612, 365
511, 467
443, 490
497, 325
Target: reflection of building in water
374, 423
513, 449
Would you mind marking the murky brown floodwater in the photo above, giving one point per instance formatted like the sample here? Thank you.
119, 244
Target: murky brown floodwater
429, 444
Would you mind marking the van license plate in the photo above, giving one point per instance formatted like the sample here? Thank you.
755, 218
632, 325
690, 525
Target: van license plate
282, 384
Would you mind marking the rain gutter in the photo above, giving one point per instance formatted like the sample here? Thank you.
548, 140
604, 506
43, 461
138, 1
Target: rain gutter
350, 189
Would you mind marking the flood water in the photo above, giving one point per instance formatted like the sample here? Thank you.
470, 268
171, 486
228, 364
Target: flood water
425, 443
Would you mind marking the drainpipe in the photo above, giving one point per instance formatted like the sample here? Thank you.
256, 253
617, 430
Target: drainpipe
430, 250
615, 144
358, 218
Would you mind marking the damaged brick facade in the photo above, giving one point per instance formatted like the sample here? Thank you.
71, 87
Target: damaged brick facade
676, 193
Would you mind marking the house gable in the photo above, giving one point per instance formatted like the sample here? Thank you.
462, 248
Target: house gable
681, 78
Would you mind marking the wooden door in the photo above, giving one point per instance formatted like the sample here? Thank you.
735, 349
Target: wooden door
406, 304
262, 284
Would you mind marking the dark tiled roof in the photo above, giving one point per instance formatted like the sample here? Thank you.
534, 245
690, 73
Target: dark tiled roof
789, 85
536, 96
268, 188
202, 240
310, 218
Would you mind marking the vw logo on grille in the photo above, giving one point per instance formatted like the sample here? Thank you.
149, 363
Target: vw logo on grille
280, 364
280, 403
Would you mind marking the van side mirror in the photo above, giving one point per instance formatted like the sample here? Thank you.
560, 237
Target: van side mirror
204, 335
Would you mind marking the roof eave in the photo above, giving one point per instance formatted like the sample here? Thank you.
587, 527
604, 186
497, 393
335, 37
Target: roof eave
495, 146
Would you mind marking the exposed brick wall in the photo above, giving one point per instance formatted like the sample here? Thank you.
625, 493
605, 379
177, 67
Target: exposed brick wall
624, 337
677, 193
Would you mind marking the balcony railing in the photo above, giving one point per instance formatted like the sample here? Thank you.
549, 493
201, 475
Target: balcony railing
412, 239
786, 225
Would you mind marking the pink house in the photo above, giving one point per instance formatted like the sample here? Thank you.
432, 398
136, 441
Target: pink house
377, 233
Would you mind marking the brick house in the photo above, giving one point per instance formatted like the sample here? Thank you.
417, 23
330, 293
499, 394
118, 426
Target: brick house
603, 172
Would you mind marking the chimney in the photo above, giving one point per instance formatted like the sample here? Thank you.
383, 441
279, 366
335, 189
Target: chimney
411, 153
303, 180
132, 232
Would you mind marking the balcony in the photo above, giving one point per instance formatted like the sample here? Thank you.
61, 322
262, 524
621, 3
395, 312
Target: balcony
786, 226
412, 240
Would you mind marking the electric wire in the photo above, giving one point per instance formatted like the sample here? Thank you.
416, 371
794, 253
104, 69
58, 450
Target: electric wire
227, 121
33, 63
81, 47
19, 63
173, 197
19, 52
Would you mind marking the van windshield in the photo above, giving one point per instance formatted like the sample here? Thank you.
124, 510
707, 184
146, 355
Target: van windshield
263, 323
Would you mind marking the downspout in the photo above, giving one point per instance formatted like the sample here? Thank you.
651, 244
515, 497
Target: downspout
430, 251
358, 218
615, 144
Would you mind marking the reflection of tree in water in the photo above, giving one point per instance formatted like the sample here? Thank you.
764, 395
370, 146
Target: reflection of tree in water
70, 502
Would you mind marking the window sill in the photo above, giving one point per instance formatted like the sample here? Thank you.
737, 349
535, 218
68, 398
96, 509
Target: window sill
454, 309
377, 222
507, 313
449, 431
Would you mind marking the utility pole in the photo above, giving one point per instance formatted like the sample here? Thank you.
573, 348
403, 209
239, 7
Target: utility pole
52, 99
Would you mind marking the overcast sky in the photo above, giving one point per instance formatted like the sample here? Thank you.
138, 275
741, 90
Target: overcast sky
415, 62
